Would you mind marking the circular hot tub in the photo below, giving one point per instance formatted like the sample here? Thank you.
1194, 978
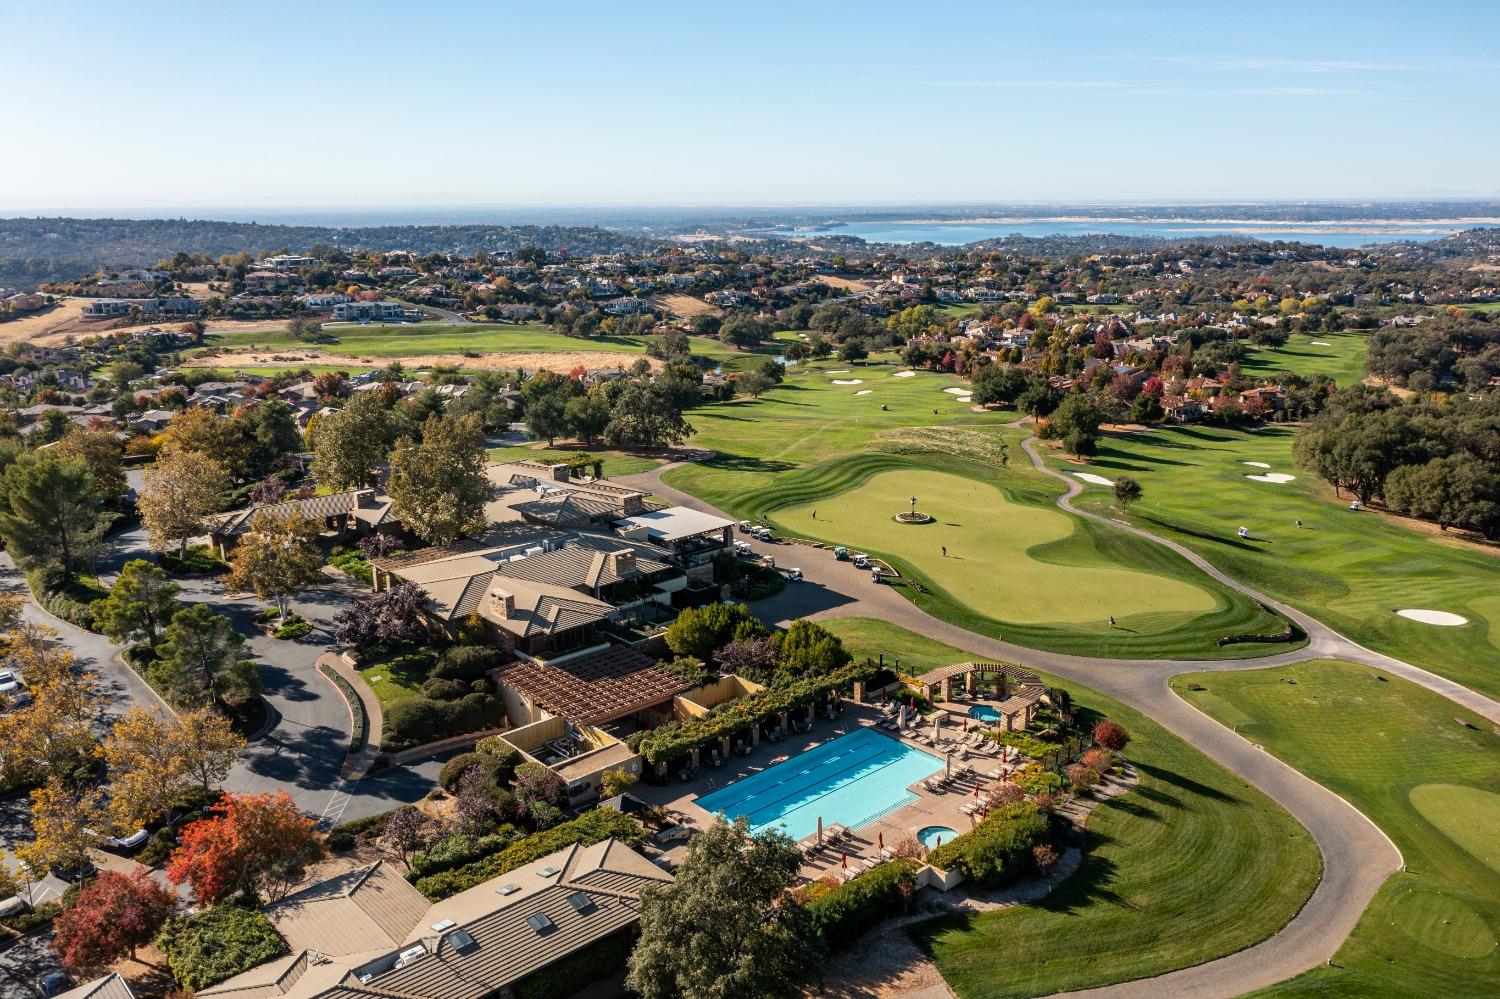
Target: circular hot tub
934, 836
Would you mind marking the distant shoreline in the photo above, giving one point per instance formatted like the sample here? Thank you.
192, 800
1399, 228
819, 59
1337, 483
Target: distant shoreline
1328, 225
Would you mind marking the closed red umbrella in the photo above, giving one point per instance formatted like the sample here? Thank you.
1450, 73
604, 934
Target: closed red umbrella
880, 840
844, 861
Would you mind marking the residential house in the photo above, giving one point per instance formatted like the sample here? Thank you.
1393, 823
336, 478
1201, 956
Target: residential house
268, 282
365, 312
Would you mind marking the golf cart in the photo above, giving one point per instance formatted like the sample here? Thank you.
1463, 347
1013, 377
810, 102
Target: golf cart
763, 533
745, 527
743, 550
861, 560
794, 575
841, 553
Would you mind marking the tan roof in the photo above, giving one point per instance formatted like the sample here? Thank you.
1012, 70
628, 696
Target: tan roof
316, 507
109, 987
366, 909
540, 608
592, 690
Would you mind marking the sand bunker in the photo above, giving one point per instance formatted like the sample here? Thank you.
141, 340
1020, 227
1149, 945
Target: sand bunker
955, 390
840, 371
1441, 618
863, 392
1276, 477
904, 374
1256, 464
1097, 480
1321, 343
848, 381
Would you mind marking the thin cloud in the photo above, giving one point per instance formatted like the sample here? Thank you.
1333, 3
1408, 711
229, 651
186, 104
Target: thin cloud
1030, 84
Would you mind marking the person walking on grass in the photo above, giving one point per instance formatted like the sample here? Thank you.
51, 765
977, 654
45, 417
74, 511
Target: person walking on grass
1299, 523
1111, 620
945, 551
815, 516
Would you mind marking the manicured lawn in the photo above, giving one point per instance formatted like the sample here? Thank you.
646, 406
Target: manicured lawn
616, 463
1191, 865
1340, 356
1352, 571
1396, 752
809, 442
1019, 562
397, 677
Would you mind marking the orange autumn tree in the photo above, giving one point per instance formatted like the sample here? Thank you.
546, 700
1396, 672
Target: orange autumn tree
255, 843
115, 913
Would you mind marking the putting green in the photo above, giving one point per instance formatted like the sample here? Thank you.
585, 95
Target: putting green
1022, 563
1435, 920
1470, 816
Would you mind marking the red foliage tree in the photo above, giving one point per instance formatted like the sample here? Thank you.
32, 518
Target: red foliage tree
114, 915
1111, 735
258, 842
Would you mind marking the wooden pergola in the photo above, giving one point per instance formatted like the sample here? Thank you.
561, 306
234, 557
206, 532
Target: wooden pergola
1019, 690
592, 690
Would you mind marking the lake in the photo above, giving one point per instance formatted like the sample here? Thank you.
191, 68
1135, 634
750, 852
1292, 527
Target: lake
957, 233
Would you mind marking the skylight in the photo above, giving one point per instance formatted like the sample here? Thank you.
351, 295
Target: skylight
581, 903
508, 889
547, 872
461, 941
442, 925
541, 923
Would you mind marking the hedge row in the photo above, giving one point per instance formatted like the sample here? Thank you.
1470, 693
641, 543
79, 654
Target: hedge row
998, 848
460, 850
361, 724
415, 721
847, 912
588, 828
61, 603
673, 741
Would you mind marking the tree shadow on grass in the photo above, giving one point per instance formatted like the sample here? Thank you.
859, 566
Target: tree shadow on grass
747, 463
1179, 781
1202, 535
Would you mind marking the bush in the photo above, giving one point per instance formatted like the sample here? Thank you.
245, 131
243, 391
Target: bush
459, 849
416, 721
197, 560
847, 912
360, 729
342, 837
217, 944
439, 688
352, 563
31, 919
588, 828
467, 663
500, 767
72, 602
998, 848
295, 627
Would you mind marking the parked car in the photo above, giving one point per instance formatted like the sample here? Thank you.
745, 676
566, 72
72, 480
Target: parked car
9, 682
53, 983
73, 875
127, 844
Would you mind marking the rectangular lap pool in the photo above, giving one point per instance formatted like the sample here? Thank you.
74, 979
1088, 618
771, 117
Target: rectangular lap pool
853, 780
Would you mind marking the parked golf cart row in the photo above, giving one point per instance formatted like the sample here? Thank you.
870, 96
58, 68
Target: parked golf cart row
744, 551
860, 561
760, 532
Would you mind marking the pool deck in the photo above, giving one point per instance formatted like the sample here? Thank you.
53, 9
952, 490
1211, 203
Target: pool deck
860, 845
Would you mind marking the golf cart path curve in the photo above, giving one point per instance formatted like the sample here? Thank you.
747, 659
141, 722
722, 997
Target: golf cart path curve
1357, 856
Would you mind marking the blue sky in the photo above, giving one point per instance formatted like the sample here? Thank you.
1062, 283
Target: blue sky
324, 103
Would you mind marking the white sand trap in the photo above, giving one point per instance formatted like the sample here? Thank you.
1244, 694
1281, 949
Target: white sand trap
1321, 343
840, 371
848, 381
904, 374
1256, 464
863, 392
955, 390
965, 398
1276, 477
1441, 618
1097, 480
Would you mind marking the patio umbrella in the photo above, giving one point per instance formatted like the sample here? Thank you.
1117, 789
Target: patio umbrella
947, 764
820, 830
901, 716
844, 861
880, 840
937, 723
976, 790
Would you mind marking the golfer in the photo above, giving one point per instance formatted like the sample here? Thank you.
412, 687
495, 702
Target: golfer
945, 551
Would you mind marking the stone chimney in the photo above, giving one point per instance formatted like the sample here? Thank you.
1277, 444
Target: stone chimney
560, 473
623, 562
503, 603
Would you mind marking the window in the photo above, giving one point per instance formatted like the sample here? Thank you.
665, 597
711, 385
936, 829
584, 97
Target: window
540, 924
581, 903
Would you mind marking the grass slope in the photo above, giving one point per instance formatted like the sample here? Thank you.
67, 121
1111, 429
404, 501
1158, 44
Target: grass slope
1342, 359
616, 463
1192, 865
1395, 751
1350, 570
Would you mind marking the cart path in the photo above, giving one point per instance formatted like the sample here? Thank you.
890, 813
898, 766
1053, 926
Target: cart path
1357, 856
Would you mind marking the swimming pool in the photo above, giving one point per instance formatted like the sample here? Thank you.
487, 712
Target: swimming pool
853, 780
984, 713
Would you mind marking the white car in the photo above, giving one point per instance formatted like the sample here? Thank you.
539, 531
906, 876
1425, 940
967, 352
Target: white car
9, 682
134, 841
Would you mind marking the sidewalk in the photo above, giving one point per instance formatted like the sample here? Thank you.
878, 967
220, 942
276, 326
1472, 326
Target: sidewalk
359, 764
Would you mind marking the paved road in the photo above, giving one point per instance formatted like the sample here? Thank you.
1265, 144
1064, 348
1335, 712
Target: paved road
1357, 856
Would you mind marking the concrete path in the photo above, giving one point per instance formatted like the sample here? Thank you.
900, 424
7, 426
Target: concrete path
1357, 856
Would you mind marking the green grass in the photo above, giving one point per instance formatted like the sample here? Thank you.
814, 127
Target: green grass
1191, 865
808, 441
1020, 561
1482, 307
616, 463
397, 677
1343, 359
1396, 752
1350, 570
